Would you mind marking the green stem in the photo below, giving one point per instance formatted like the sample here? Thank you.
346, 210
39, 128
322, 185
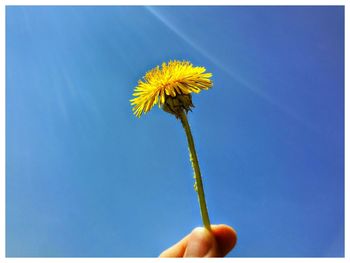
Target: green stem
197, 172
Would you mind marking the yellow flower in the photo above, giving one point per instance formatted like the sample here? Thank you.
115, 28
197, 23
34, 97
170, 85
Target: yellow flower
175, 79
171, 86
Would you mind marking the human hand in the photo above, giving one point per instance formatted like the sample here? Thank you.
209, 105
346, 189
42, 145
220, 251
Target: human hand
203, 243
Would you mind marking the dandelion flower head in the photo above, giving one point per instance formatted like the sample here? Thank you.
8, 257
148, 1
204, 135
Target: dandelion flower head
171, 80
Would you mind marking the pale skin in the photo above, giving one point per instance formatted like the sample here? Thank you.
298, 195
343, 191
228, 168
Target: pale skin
203, 243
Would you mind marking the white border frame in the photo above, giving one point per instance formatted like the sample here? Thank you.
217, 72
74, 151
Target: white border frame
5, 3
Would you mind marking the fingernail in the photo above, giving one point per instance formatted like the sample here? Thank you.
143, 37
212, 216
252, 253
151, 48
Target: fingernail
200, 243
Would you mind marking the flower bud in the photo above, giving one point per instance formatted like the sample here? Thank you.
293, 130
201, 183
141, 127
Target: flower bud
179, 103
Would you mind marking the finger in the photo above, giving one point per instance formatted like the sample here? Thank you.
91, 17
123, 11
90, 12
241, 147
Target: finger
176, 250
226, 238
200, 240
201, 243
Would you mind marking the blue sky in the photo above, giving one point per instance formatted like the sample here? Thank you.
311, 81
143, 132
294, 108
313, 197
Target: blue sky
85, 178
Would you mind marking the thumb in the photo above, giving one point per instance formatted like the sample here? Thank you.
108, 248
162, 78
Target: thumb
201, 243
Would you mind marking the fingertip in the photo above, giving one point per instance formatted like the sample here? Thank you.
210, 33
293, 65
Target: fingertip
225, 236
